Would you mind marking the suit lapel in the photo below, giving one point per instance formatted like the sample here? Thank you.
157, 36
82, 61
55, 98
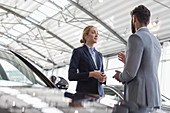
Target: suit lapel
97, 60
86, 51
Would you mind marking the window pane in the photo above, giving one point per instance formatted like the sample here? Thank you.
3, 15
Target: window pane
114, 63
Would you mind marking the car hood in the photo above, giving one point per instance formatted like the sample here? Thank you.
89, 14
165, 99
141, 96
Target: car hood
45, 100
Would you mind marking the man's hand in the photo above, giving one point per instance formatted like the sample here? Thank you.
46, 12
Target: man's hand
104, 77
116, 76
122, 57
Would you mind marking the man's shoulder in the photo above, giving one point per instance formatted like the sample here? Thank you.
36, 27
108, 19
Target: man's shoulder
142, 32
135, 35
136, 39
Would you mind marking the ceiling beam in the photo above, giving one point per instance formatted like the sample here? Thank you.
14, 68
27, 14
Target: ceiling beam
29, 48
4, 45
39, 26
33, 62
162, 4
38, 53
55, 5
98, 20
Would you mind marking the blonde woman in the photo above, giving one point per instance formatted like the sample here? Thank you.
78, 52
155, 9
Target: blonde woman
86, 64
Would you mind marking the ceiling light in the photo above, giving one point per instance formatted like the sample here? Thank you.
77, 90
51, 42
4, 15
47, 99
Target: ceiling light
100, 1
123, 34
156, 22
155, 35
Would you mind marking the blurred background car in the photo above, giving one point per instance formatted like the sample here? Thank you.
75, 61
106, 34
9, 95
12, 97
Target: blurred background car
118, 92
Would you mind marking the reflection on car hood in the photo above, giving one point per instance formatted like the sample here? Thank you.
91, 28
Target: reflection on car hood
44, 100
11, 83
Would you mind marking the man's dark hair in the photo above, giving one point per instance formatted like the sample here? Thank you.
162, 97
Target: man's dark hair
142, 13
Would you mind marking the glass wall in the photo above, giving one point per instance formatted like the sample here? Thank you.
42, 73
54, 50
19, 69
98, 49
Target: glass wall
112, 64
164, 70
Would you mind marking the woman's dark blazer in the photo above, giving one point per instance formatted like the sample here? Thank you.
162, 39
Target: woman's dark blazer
80, 65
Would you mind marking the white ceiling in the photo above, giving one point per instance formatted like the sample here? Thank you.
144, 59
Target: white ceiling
46, 31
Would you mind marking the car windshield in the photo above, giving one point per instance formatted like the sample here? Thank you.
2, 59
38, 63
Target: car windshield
13, 72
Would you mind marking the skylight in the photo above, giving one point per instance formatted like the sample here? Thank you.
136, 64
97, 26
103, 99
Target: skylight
61, 3
27, 23
21, 28
5, 39
14, 32
38, 16
48, 9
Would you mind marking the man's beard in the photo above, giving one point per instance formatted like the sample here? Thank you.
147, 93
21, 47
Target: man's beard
133, 27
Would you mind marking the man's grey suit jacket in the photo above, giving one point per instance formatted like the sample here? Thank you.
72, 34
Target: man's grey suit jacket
140, 73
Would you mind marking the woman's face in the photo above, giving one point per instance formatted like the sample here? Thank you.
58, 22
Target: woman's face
92, 36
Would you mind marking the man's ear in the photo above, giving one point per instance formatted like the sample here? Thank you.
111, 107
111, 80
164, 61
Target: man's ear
148, 23
134, 18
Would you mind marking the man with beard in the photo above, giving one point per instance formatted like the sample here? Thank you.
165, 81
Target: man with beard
140, 74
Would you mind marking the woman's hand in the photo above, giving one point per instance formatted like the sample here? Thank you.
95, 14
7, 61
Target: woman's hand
100, 76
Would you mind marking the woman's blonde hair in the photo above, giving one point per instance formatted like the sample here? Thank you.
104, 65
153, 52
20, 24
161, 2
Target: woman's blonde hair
85, 31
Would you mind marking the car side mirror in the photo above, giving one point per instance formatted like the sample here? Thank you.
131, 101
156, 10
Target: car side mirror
62, 83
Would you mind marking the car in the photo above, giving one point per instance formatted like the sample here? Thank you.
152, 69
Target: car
24, 89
